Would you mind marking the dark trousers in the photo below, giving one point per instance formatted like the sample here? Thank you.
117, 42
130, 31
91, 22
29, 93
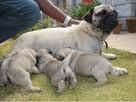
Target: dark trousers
16, 16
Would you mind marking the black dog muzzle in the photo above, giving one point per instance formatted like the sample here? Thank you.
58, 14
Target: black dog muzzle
108, 22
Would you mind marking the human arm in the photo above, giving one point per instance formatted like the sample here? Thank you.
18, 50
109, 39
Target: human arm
51, 10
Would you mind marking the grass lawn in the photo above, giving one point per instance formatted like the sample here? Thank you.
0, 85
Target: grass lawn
122, 88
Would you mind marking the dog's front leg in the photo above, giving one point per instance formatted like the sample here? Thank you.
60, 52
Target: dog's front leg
109, 56
116, 71
35, 70
72, 81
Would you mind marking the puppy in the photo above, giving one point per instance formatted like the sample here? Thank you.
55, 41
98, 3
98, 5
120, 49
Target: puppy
57, 71
17, 67
88, 36
87, 64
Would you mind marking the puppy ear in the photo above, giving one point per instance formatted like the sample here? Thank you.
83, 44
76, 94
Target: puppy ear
49, 51
32, 57
38, 54
60, 58
116, 13
88, 16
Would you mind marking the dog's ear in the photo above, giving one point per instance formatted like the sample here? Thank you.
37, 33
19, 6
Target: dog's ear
60, 58
33, 58
116, 13
38, 54
49, 51
88, 16
43, 51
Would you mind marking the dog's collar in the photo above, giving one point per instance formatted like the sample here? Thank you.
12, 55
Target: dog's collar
89, 29
89, 34
106, 44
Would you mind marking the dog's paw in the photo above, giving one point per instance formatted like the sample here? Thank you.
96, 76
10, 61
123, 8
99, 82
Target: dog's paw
98, 84
35, 89
60, 90
2, 85
61, 86
101, 82
119, 71
109, 56
72, 84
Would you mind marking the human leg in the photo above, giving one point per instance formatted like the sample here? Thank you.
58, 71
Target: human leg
16, 16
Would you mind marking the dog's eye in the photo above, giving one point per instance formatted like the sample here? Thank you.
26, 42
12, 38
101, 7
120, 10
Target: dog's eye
98, 14
103, 12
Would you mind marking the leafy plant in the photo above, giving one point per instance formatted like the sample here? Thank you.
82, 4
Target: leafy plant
81, 9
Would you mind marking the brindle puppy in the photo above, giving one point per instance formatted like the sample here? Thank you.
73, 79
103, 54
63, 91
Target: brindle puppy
88, 64
17, 67
57, 71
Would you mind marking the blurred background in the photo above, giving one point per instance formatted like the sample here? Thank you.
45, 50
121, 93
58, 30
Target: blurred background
77, 8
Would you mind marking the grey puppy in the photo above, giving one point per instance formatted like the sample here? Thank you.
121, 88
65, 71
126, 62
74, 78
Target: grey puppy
87, 64
57, 71
17, 67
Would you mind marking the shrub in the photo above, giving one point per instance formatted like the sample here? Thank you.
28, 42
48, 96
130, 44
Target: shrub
78, 11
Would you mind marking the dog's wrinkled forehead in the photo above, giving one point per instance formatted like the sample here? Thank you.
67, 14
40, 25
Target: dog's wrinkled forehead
98, 11
102, 17
100, 8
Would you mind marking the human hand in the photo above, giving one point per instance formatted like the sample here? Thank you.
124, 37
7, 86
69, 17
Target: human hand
73, 21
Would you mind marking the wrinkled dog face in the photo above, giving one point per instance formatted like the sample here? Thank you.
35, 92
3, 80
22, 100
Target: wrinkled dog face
102, 17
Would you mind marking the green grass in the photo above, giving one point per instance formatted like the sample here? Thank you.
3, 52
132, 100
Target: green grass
122, 88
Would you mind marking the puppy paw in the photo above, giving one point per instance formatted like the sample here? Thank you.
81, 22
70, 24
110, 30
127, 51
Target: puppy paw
35, 89
59, 91
98, 84
73, 84
119, 71
2, 85
61, 86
